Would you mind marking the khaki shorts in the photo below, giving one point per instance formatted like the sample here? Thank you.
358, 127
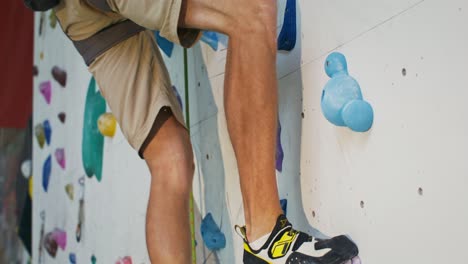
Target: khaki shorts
132, 76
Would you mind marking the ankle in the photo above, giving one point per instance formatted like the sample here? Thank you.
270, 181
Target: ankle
261, 226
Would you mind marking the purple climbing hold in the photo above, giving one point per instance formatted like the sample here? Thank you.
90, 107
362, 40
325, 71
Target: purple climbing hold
60, 157
54, 240
60, 236
47, 131
50, 245
355, 260
279, 149
62, 116
59, 75
46, 90
124, 260
46, 169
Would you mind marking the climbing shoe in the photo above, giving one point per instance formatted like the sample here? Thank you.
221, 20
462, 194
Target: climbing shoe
288, 246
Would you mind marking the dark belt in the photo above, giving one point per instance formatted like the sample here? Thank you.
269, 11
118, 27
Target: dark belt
105, 39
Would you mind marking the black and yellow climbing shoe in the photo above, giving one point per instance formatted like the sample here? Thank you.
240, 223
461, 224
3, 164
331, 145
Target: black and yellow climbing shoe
288, 246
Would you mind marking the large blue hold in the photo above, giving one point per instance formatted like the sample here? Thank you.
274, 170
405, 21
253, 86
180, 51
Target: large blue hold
166, 46
342, 101
210, 38
287, 36
47, 131
46, 169
212, 236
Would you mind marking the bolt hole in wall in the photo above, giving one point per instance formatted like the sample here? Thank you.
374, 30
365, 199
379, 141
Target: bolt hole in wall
420, 191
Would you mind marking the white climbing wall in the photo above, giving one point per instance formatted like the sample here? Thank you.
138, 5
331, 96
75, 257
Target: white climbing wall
398, 190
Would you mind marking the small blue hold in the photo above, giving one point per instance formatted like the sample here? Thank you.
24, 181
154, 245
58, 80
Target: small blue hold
47, 131
284, 205
287, 36
166, 46
179, 99
342, 102
210, 38
72, 258
212, 236
46, 169
279, 149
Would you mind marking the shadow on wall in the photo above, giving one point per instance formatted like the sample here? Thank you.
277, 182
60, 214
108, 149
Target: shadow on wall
206, 144
291, 113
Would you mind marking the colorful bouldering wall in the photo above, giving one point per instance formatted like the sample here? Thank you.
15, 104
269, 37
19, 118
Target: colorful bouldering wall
393, 188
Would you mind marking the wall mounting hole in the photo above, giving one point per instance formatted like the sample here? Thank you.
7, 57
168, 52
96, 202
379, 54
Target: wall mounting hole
403, 72
362, 204
313, 214
420, 191
302, 114
207, 156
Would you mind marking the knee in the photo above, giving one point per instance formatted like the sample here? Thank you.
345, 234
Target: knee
171, 164
173, 170
260, 17
258, 22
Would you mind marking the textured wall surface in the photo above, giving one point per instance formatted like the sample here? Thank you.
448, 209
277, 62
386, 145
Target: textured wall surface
398, 190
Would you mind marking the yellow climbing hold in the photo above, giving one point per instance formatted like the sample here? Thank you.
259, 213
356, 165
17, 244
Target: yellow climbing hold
31, 187
107, 124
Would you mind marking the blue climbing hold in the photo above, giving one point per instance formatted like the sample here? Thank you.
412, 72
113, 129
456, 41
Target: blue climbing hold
358, 115
212, 236
166, 46
46, 169
72, 258
342, 101
284, 205
287, 36
210, 38
179, 99
47, 131
279, 149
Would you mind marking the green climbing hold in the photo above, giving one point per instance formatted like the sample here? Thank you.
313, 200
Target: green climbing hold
93, 259
52, 19
93, 141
